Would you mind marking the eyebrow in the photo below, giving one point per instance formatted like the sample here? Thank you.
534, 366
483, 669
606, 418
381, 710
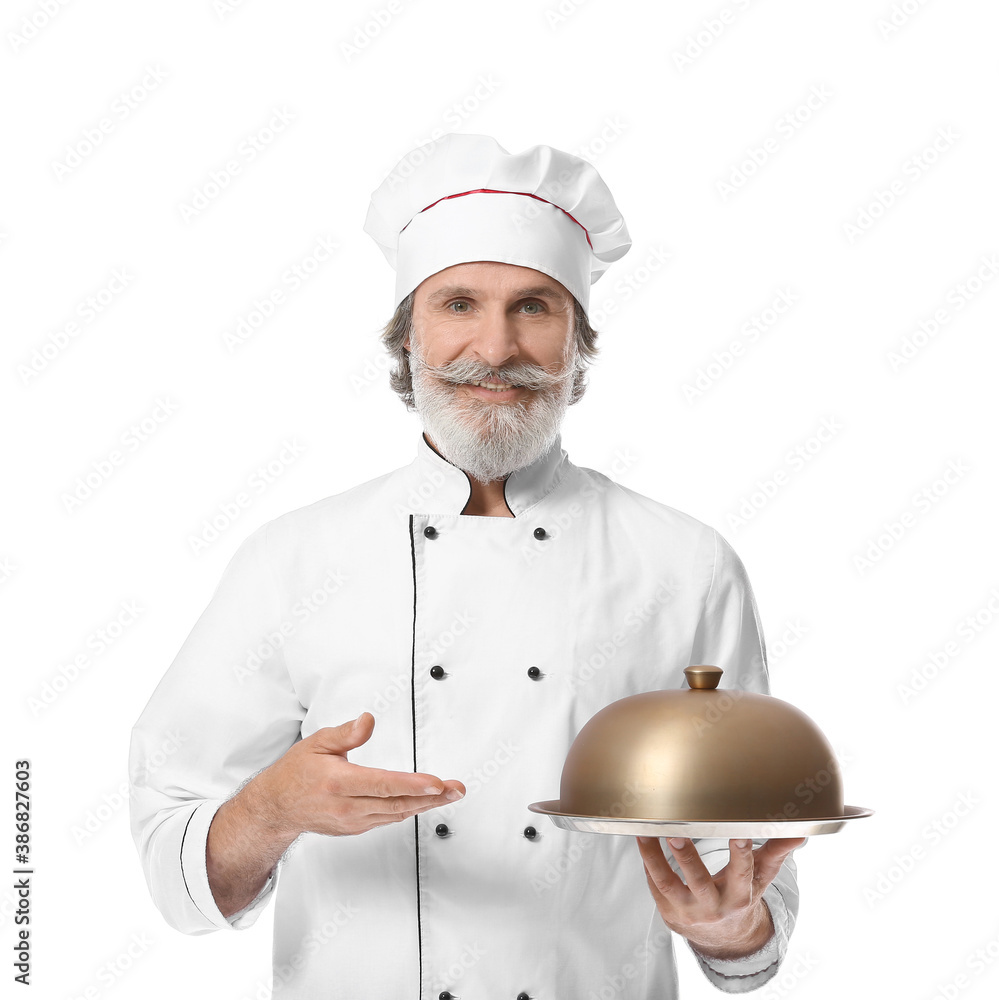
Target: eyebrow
535, 292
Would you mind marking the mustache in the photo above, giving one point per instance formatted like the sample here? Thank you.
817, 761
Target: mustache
523, 373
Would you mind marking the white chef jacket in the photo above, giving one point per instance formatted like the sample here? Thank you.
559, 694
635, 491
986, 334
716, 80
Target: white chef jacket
344, 606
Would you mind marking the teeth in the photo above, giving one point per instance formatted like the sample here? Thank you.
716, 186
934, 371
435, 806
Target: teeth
494, 387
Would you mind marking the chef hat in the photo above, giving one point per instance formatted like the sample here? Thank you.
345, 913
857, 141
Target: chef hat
464, 198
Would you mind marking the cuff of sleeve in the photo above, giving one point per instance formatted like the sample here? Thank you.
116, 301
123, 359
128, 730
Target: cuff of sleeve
194, 866
741, 975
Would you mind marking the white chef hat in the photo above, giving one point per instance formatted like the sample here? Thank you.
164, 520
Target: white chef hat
464, 198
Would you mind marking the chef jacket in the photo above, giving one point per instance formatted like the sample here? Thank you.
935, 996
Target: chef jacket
481, 645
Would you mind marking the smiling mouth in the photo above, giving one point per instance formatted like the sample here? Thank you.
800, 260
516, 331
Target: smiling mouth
495, 386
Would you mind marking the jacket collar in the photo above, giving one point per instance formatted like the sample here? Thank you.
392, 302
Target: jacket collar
442, 488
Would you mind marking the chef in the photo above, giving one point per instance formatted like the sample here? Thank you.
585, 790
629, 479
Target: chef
385, 679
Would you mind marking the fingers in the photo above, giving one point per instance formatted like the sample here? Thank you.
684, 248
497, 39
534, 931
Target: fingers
335, 741
696, 876
348, 807
408, 805
735, 880
771, 856
661, 874
314, 787
741, 862
375, 782
356, 814
657, 870
344, 778
749, 872
363, 817
383, 801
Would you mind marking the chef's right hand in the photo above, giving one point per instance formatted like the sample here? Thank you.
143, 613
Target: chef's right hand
314, 788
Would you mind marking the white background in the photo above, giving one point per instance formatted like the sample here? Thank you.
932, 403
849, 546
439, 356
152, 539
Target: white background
897, 904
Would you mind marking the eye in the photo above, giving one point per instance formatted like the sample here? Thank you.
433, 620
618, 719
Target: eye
458, 302
535, 305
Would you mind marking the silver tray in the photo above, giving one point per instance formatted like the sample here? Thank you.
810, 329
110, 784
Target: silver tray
754, 829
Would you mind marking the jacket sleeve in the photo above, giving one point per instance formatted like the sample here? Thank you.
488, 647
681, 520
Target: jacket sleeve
225, 709
729, 635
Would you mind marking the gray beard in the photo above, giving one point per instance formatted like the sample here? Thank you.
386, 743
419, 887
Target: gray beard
490, 440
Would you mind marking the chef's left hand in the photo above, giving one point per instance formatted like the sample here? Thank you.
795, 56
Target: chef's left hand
722, 916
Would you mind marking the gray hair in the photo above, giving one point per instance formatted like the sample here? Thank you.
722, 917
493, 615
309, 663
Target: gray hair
400, 327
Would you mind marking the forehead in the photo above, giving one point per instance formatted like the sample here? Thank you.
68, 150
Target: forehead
491, 279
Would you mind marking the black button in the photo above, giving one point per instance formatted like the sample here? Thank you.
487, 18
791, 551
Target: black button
437, 672
442, 830
534, 673
523, 996
431, 532
530, 832
445, 996
540, 533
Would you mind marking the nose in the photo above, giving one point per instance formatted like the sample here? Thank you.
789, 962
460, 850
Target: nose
494, 340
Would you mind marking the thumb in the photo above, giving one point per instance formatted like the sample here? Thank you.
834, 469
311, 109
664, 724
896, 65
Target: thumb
348, 736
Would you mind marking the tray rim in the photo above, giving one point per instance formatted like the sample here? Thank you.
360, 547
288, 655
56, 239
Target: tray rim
631, 826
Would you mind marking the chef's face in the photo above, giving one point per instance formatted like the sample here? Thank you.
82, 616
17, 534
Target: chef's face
494, 314
493, 359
